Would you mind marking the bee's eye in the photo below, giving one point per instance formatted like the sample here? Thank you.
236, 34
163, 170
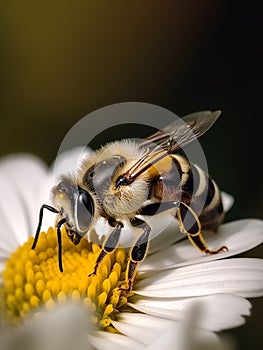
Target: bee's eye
84, 210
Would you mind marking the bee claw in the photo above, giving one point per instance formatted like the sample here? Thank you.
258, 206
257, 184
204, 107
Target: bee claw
94, 273
220, 250
126, 288
126, 291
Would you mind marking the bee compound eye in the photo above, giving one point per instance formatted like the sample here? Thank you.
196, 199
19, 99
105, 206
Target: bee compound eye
84, 210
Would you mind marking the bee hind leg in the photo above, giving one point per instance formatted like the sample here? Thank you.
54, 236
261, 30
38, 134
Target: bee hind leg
190, 224
109, 245
137, 254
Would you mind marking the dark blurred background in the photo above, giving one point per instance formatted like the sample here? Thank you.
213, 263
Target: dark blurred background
61, 60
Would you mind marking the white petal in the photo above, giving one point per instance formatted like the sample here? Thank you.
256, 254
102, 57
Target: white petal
227, 200
49, 218
186, 338
243, 277
153, 331
140, 327
110, 341
218, 312
170, 338
21, 180
165, 238
238, 236
142, 320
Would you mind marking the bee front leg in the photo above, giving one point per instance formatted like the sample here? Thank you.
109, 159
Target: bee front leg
137, 254
190, 224
109, 245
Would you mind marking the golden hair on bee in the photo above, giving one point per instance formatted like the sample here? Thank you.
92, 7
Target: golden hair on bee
115, 159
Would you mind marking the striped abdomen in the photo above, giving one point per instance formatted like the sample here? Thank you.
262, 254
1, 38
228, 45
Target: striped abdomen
192, 186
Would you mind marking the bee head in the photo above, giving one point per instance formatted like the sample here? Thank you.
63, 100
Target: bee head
76, 205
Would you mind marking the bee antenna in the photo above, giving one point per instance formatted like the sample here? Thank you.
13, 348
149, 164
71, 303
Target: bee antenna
44, 206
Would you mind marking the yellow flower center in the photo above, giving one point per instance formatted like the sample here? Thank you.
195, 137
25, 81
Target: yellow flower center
32, 278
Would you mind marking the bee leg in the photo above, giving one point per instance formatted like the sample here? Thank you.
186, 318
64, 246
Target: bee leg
58, 226
109, 245
190, 224
137, 254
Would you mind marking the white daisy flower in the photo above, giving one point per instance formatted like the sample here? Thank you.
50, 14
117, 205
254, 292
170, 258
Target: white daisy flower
171, 282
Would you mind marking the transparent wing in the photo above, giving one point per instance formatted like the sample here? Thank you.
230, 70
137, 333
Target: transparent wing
182, 131
172, 138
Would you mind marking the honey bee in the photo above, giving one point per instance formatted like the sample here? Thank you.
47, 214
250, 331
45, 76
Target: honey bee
127, 182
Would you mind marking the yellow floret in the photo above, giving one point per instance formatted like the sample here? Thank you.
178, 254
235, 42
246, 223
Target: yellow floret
32, 278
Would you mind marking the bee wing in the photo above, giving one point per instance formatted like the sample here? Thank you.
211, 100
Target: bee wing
182, 131
172, 138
